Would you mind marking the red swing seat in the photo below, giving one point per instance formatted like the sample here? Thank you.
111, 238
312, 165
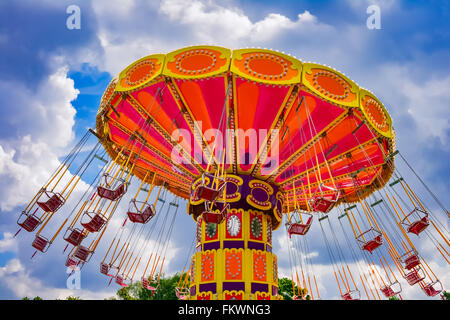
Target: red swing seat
375, 241
119, 281
373, 244
299, 228
392, 289
216, 217
137, 216
145, 283
50, 201
30, 222
207, 191
105, 189
419, 225
93, 222
387, 291
430, 289
72, 262
104, 268
182, 295
83, 253
74, 236
324, 202
414, 276
111, 194
351, 295
411, 261
41, 243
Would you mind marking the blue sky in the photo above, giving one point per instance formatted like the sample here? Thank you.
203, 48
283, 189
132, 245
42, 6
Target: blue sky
52, 78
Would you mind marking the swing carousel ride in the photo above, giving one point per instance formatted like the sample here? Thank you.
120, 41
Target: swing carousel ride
252, 140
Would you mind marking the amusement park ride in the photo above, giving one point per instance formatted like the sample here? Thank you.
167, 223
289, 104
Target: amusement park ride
248, 137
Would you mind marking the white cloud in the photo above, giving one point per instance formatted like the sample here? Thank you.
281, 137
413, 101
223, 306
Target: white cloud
428, 104
211, 22
18, 280
171, 24
43, 122
8, 243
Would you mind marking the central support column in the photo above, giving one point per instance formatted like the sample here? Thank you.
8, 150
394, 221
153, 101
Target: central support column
234, 259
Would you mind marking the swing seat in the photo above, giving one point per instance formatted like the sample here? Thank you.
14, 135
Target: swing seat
182, 295
30, 223
141, 217
216, 217
104, 268
430, 289
299, 228
207, 193
52, 201
74, 236
212, 217
41, 243
387, 291
418, 225
375, 241
411, 262
414, 276
111, 194
212, 191
72, 262
93, 223
119, 281
373, 244
322, 202
392, 289
83, 253
145, 284
351, 295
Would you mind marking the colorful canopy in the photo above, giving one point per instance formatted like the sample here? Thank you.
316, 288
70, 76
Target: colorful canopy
292, 124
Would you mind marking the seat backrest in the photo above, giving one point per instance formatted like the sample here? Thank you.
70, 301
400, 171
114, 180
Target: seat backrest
31, 222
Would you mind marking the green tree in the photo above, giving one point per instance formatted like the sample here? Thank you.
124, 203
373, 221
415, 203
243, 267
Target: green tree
165, 289
35, 298
445, 295
285, 290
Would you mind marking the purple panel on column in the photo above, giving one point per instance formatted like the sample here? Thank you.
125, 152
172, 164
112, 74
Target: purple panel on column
205, 287
261, 287
233, 286
255, 245
233, 244
211, 245
268, 248
192, 290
